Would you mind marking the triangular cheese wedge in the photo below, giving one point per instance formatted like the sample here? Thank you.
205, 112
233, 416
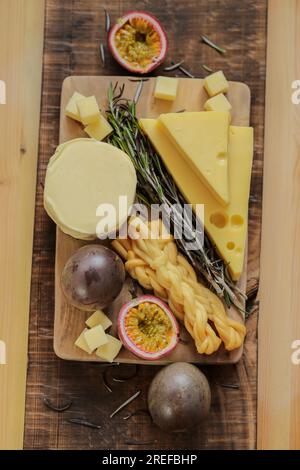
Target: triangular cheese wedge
226, 226
202, 139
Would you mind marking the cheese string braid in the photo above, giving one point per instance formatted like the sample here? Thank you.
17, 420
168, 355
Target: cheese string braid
151, 257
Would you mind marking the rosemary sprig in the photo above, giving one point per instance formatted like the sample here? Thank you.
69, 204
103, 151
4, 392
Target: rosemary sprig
209, 43
156, 186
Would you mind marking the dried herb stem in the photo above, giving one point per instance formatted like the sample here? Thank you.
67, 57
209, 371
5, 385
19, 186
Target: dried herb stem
128, 377
186, 72
53, 407
107, 21
137, 413
102, 54
173, 66
83, 422
207, 69
123, 405
209, 43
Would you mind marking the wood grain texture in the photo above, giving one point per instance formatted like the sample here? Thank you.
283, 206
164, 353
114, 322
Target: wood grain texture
21, 53
69, 322
73, 29
279, 325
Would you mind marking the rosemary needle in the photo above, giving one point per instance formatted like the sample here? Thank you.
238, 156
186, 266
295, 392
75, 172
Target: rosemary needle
173, 66
138, 92
59, 409
102, 53
186, 72
125, 403
207, 69
105, 381
83, 422
107, 21
207, 41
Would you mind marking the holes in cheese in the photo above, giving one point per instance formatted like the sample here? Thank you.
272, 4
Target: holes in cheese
230, 245
110, 350
82, 176
218, 219
236, 220
98, 318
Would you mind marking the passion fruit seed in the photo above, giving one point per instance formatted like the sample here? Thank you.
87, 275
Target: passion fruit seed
138, 42
148, 326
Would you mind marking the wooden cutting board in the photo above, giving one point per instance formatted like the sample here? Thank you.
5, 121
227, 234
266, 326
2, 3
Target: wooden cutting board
69, 321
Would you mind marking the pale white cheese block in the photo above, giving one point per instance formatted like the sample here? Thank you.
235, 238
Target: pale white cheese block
82, 175
98, 318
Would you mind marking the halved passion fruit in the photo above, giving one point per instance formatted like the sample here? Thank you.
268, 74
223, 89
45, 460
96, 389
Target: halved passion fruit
148, 328
138, 42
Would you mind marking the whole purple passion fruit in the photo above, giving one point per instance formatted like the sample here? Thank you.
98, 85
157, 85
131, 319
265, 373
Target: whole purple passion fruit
93, 277
179, 397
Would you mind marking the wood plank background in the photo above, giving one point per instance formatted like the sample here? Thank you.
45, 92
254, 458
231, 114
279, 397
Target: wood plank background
72, 33
279, 325
21, 55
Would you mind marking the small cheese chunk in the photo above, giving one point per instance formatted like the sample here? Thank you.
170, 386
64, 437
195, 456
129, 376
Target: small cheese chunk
81, 342
216, 83
88, 110
166, 88
99, 129
95, 337
217, 103
98, 318
110, 350
71, 108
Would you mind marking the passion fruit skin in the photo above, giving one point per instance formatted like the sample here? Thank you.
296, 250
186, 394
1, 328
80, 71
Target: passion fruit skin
158, 26
93, 277
179, 397
130, 345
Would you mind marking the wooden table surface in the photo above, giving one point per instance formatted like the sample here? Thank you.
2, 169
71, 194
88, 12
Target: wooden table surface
73, 29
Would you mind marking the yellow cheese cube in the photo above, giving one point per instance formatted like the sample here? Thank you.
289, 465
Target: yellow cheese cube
95, 337
202, 139
98, 318
109, 351
217, 103
216, 83
99, 129
88, 110
226, 226
166, 88
81, 342
71, 108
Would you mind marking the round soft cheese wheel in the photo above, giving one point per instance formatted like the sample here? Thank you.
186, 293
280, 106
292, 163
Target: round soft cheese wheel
82, 175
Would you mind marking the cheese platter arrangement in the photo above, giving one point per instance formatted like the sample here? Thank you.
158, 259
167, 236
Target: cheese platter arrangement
144, 297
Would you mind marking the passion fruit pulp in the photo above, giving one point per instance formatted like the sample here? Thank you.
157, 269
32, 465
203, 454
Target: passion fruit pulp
148, 328
138, 42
